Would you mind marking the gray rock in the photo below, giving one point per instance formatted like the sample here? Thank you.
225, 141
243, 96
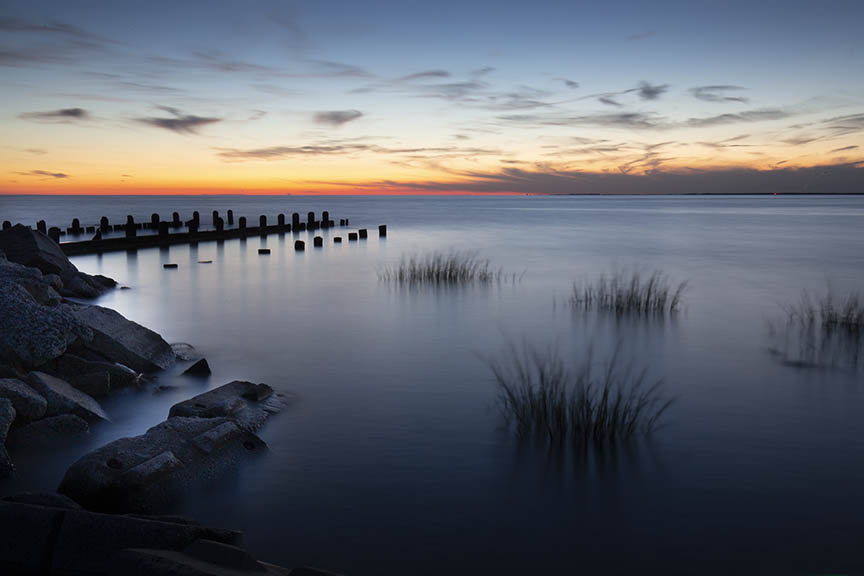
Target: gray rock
51, 499
32, 334
29, 404
69, 366
48, 431
122, 340
247, 403
199, 368
34, 249
96, 383
145, 472
184, 351
42, 539
201, 558
41, 287
63, 398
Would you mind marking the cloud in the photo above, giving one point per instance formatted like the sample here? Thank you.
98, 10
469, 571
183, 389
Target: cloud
632, 120
571, 83
650, 91
36, 151
609, 101
62, 115
346, 147
426, 74
845, 149
760, 115
717, 93
179, 122
44, 174
337, 117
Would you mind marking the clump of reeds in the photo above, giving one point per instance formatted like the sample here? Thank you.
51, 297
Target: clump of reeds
829, 314
629, 294
450, 268
540, 397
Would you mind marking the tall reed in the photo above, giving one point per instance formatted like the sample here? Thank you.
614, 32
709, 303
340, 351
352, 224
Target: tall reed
451, 268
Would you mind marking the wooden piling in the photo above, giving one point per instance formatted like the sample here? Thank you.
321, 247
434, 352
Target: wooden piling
154, 221
76, 226
230, 217
41, 227
215, 217
242, 223
382, 230
263, 251
299, 245
175, 221
131, 231
281, 220
295, 221
362, 233
337, 239
262, 221
104, 225
7, 225
318, 241
352, 236
54, 234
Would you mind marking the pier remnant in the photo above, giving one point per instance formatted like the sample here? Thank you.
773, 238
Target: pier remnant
169, 266
362, 233
163, 229
337, 239
154, 221
299, 245
263, 251
262, 221
325, 219
280, 220
242, 223
230, 217
104, 226
175, 219
220, 224
54, 234
310, 219
130, 227
76, 226
295, 221
352, 236
7, 225
215, 217
318, 241
42, 227
382, 230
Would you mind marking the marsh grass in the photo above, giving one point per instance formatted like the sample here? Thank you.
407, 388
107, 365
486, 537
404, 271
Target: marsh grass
629, 294
540, 397
439, 268
827, 332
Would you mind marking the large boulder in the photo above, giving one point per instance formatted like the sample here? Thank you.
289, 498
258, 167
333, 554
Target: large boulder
146, 472
71, 366
59, 539
29, 404
34, 249
122, 340
63, 398
49, 431
247, 403
43, 288
31, 333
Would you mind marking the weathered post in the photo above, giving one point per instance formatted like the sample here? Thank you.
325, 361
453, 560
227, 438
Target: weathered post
130, 229
54, 234
382, 230
352, 236
90, 229
302, 226
197, 218
242, 223
230, 217
299, 245
347, 222
262, 221
76, 226
337, 239
154, 221
193, 225
215, 217
310, 219
7, 225
281, 220
220, 224
295, 221
163, 229
263, 251
325, 219
41, 227
318, 241
104, 226
176, 219
362, 233
341, 222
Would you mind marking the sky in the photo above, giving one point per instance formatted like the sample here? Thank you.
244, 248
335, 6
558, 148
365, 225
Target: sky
394, 97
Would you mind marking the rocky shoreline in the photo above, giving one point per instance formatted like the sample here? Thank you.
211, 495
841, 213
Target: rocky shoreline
57, 357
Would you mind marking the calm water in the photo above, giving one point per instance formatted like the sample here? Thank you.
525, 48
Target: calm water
393, 458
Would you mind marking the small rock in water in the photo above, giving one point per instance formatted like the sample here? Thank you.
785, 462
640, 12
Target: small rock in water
199, 368
184, 351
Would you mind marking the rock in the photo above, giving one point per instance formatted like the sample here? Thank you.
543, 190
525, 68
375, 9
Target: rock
310, 571
63, 398
29, 404
146, 472
199, 368
97, 383
36, 250
72, 367
201, 558
51, 499
32, 334
124, 341
48, 431
184, 351
43, 539
43, 288
246, 403
7, 416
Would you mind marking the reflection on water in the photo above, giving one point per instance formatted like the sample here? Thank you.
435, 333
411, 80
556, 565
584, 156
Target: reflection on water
393, 460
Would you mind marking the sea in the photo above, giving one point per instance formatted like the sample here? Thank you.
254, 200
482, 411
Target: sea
394, 456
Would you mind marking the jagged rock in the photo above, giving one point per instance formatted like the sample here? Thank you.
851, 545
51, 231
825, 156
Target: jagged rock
247, 403
201, 558
122, 340
43, 288
51, 499
29, 404
36, 250
51, 430
7, 416
96, 383
199, 368
63, 398
145, 472
31, 334
69, 366
61, 540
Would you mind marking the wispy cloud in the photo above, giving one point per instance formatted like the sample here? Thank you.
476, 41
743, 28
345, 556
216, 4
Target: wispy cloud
718, 93
425, 75
336, 117
62, 115
178, 122
759, 115
44, 174
649, 91
845, 149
